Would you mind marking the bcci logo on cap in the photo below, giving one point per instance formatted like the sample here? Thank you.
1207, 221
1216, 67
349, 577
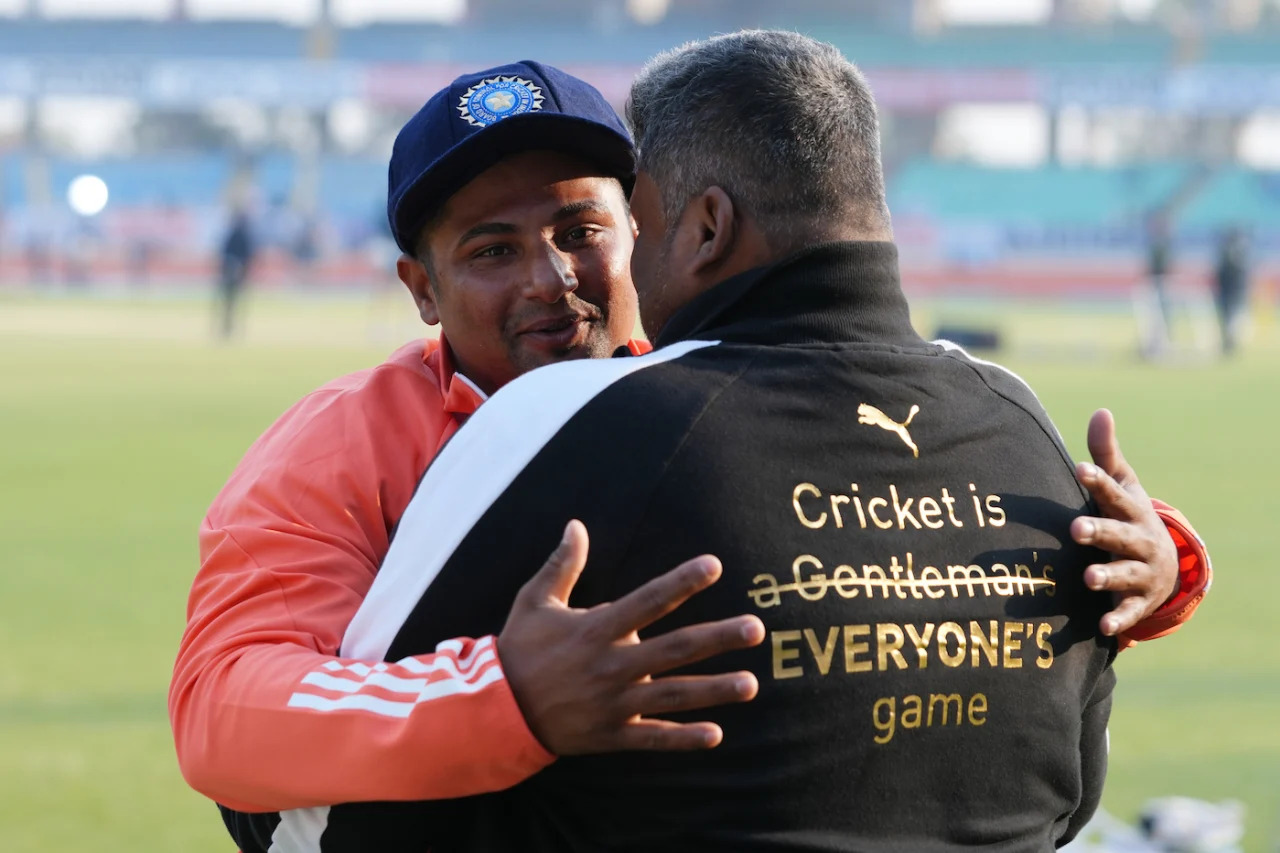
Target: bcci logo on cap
497, 98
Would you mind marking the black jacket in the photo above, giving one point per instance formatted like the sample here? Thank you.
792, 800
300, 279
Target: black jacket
894, 510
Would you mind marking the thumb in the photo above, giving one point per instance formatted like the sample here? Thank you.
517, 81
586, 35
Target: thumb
1104, 447
560, 572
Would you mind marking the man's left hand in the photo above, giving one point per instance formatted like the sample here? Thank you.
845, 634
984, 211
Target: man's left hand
1143, 573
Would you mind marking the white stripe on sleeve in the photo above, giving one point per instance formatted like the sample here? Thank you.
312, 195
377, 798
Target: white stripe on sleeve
468, 475
472, 471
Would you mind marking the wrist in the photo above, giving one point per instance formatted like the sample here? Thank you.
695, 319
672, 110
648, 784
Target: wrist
1177, 589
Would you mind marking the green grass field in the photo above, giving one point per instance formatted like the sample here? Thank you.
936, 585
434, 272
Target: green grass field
120, 421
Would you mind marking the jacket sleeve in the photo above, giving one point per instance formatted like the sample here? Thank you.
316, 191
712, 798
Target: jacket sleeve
265, 715
1195, 576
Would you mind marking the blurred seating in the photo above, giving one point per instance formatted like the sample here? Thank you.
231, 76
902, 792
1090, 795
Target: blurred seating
973, 47
188, 179
943, 192
96, 38
1080, 196
1236, 195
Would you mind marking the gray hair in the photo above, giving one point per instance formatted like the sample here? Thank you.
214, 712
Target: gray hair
782, 123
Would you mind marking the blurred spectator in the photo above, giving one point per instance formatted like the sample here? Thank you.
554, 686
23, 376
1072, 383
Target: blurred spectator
382, 251
39, 239
1159, 263
81, 250
306, 242
1231, 286
238, 249
143, 230
141, 252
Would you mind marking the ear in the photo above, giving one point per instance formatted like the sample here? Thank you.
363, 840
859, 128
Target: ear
415, 277
715, 230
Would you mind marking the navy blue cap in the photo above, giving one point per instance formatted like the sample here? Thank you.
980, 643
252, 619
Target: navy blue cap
483, 118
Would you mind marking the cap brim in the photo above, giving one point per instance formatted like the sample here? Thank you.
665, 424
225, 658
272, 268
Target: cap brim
590, 140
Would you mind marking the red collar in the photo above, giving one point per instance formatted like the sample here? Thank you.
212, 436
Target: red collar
461, 398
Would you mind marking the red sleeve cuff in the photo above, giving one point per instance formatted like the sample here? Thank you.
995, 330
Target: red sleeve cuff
526, 750
1195, 576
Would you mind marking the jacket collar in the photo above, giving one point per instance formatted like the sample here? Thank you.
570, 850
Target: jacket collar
829, 293
461, 396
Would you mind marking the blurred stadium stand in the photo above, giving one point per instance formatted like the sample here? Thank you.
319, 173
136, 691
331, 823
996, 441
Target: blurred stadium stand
1114, 122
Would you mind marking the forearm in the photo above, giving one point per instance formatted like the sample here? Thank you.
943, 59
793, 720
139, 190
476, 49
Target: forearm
270, 727
266, 717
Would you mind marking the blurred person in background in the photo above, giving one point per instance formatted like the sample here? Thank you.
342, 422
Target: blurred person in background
35, 245
38, 243
386, 310
144, 232
141, 252
531, 190
235, 260
82, 248
1159, 265
1231, 286
305, 247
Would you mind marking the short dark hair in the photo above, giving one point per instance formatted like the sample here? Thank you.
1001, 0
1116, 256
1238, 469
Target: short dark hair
783, 123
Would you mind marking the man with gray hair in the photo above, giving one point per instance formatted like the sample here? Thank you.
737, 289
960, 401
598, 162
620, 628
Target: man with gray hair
800, 149
898, 514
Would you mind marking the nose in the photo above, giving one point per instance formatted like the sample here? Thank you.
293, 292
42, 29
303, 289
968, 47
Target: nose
551, 276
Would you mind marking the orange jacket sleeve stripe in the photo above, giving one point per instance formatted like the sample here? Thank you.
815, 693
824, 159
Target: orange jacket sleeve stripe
265, 715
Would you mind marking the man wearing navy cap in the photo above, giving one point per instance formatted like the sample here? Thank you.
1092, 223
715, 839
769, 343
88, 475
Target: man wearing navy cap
508, 197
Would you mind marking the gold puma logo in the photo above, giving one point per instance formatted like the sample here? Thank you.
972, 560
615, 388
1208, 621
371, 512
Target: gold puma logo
872, 415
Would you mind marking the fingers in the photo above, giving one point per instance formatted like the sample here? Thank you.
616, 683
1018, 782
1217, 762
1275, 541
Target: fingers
689, 693
562, 569
1104, 447
660, 596
692, 644
1129, 612
1125, 539
1121, 576
1114, 500
666, 736
1137, 588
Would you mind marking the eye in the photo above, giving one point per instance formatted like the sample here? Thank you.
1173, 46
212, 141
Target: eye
581, 233
493, 251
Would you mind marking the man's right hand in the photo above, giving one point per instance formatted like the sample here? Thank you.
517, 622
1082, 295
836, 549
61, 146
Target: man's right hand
586, 682
1143, 573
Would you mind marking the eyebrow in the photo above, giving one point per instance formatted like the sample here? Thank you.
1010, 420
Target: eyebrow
578, 207
485, 229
